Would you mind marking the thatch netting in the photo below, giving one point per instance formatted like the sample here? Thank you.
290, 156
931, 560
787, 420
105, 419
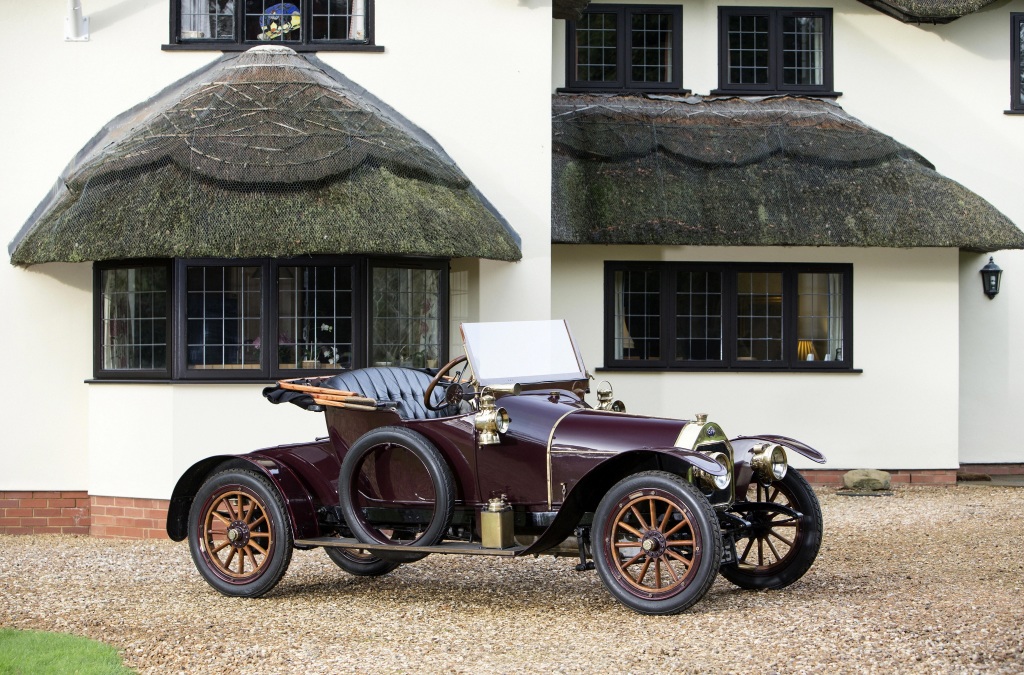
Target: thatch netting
928, 11
265, 153
779, 171
568, 9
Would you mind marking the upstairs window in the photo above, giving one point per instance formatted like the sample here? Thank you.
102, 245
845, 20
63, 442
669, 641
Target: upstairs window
728, 316
774, 51
303, 25
1017, 63
625, 47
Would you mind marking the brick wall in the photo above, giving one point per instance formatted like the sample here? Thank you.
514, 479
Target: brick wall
834, 477
61, 512
129, 518
76, 512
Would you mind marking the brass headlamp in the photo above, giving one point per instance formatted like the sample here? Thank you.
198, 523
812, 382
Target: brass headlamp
769, 462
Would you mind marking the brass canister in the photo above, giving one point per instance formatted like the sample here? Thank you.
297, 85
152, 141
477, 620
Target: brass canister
496, 524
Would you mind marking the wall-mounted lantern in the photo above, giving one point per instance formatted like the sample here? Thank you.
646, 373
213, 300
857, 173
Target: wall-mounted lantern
990, 277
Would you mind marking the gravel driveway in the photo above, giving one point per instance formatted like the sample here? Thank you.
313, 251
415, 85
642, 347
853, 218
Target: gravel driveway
929, 580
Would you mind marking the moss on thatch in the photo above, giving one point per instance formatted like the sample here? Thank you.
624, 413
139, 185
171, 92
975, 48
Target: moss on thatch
264, 153
741, 172
568, 9
927, 11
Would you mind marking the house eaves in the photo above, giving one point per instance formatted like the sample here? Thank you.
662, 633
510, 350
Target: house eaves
263, 153
927, 11
782, 171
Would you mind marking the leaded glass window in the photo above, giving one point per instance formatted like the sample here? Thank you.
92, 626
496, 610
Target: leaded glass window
714, 316
1017, 62
295, 23
775, 50
133, 324
625, 47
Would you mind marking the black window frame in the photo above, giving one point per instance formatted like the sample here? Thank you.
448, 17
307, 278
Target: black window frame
270, 369
1016, 68
730, 362
624, 47
238, 43
775, 85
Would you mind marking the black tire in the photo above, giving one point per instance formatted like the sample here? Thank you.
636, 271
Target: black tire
360, 563
443, 484
239, 533
660, 574
779, 549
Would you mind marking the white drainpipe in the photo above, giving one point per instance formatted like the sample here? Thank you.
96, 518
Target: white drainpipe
76, 26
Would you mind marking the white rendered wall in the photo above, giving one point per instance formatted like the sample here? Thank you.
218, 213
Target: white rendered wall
942, 91
482, 95
899, 413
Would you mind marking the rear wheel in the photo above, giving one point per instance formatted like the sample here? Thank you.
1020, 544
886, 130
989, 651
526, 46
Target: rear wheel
239, 534
360, 563
780, 546
395, 488
656, 543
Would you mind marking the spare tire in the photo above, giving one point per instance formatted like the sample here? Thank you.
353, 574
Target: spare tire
389, 468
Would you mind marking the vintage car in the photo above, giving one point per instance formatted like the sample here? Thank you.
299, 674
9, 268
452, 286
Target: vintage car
498, 453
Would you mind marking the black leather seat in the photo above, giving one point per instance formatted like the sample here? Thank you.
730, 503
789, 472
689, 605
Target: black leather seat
404, 386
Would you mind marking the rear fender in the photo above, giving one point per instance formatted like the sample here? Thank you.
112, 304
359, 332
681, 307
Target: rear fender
296, 497
588, 491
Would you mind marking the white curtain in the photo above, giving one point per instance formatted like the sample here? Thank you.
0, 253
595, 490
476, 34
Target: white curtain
835, 317
357, 20
197, 17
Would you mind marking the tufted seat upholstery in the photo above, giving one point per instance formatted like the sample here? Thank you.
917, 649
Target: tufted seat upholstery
403, 386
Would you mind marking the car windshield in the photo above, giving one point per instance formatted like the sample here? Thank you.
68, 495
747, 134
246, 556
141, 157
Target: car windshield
524, 352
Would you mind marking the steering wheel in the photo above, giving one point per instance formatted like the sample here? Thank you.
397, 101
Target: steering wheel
454, 391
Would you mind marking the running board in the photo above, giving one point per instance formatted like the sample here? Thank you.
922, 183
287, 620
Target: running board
451, 547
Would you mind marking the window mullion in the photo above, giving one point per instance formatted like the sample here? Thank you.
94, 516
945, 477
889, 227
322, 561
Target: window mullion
790, 297
729, 316
669, 313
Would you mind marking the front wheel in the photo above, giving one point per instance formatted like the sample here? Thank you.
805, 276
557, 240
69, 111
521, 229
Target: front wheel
656, 543
360, 563
780, 545
239, 534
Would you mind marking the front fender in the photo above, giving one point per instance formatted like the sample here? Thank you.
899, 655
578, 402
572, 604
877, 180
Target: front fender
586, 494
741, 444
298, 502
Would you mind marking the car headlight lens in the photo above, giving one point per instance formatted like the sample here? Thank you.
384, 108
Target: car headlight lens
711, 481
769, 463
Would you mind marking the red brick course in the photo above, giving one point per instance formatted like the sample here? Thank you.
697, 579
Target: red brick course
76, 512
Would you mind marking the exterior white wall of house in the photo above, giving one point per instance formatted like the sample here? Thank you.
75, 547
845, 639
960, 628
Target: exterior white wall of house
941, 90
475, 89
899, 413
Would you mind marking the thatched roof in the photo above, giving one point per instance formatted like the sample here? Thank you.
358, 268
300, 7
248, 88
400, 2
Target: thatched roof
746, 172
568, 9
927, 11
264, 153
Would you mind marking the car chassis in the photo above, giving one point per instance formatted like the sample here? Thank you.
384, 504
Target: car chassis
497, 453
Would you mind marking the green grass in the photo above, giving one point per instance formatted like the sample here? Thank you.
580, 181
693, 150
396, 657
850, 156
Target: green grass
38, 653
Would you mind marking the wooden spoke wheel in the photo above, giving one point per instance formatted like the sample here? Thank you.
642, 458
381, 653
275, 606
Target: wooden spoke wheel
784, 534
239, 536
656, 543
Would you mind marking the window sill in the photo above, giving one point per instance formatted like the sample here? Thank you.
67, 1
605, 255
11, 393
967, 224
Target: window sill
235, 47
1013, 112
623, 91
762, 92
725, 369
